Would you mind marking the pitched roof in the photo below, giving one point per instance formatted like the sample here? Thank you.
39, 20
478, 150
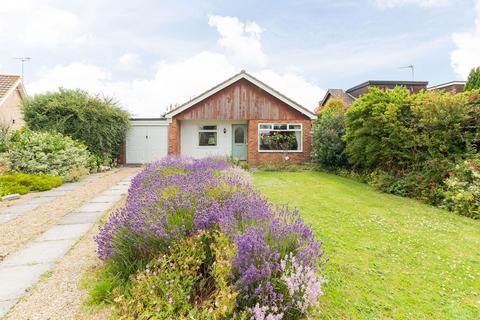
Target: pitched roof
241, 75
8, 83
337, 93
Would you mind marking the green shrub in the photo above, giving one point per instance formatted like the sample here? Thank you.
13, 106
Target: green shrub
95, 121
473, 81
462, 188
445, 126
23, 183
192, 281
378, 129
47, 153
328, 145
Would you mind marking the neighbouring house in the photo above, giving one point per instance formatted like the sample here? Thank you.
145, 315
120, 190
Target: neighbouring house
12, 92
357, 91
453, 87
242, 118
335, 94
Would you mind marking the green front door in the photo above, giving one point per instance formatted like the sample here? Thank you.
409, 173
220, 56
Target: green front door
239, 141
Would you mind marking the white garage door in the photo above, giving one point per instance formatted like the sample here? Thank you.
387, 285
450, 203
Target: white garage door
146, 141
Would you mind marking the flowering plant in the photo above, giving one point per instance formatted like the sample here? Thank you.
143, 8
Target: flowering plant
462, 188
174, 201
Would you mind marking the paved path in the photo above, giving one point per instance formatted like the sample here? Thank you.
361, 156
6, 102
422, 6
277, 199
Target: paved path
12, 212
21, 270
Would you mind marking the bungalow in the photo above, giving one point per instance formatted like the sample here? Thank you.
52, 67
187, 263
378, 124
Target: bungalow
242, 118
12, 92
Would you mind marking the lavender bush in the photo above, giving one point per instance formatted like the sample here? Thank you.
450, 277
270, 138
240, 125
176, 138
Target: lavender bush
274, 270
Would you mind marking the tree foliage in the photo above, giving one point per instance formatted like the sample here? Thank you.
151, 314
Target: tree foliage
328, 146
378, 131
473, 81
96, 121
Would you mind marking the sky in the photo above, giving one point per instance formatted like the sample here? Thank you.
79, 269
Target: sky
151, 54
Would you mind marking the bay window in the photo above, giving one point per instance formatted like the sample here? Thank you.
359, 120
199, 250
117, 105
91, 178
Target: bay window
280, 137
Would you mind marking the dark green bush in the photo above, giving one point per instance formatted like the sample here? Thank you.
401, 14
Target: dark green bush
97, 122
23, 183
378, 129
328, 145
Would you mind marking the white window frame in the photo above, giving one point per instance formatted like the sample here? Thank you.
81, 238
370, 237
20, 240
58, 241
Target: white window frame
200, 130
288, 129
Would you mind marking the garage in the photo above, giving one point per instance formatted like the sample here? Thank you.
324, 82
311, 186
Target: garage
147, 140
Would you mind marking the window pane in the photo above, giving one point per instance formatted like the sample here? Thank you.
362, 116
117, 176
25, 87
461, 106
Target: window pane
207, 139
294, 127
265, 126
239, 135
208, 127
280, 140
280, 126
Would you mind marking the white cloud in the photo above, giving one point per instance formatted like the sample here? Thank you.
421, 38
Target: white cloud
241, 41
37, 23
389, 4
129, 60
467, 52
176, 82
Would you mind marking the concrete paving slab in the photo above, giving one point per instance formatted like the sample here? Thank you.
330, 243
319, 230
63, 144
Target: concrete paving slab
38, 200
81, 217
6, 217
68, 187
106, 198
19, 208
39, 252
53, 193
95, 207
114, 192
63, 232
5, 305
15, 280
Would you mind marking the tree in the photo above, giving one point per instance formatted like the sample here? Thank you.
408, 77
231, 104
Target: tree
473, 81
328, 146
96, 121
378, 130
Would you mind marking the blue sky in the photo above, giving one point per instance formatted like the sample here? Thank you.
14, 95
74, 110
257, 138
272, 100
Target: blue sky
150, 54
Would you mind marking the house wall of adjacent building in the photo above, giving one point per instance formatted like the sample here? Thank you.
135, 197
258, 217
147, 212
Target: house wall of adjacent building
241, 102
11, 111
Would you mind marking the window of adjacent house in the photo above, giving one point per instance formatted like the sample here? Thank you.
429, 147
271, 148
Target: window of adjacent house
278, 137
207, 136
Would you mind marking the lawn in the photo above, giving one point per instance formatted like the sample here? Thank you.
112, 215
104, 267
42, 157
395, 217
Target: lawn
390, 257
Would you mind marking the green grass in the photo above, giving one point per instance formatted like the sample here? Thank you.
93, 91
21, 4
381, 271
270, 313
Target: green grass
390, 257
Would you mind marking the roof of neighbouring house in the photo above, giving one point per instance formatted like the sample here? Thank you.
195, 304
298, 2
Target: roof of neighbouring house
241, 75
447, 84
388, 83
8, 83
337, 93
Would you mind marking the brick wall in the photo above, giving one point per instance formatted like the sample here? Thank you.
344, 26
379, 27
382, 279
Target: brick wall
256, 158
174, 137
